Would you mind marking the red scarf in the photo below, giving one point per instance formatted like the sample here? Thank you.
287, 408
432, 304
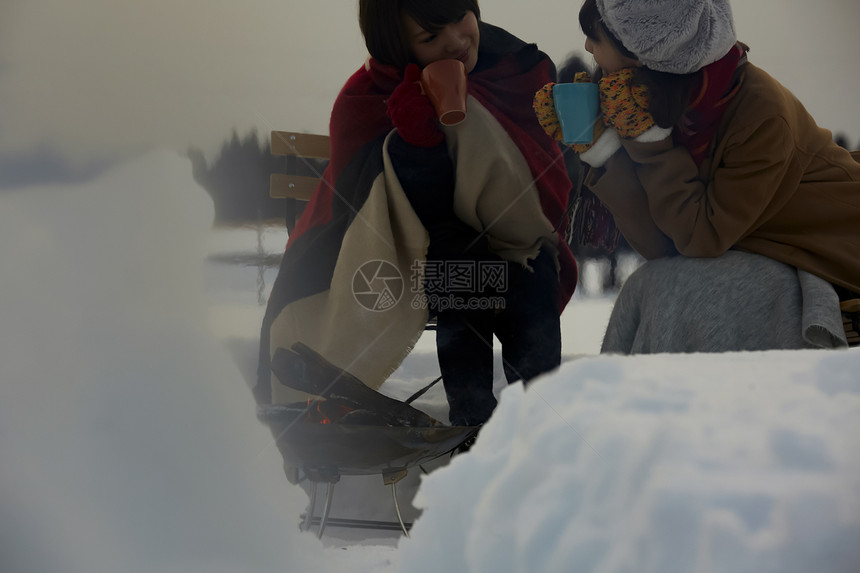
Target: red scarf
718, 83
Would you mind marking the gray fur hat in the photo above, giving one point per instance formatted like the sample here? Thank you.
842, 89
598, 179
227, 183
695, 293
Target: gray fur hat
675, 36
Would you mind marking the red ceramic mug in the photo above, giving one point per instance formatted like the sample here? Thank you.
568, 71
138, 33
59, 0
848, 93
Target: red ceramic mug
444, 82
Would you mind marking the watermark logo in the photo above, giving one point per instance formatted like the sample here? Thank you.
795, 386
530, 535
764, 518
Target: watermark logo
377, 285
459, 285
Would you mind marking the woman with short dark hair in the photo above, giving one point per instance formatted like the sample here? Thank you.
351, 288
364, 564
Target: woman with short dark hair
470, 216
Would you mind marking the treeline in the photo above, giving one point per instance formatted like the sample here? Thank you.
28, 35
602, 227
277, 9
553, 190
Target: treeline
238, 179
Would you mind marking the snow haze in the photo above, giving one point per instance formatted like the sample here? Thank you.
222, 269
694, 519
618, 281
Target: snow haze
743, 462
127, 437
129, 443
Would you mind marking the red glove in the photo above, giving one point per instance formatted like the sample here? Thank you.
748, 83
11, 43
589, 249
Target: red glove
412, 113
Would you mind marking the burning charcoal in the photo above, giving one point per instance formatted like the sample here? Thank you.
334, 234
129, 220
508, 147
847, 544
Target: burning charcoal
330, 411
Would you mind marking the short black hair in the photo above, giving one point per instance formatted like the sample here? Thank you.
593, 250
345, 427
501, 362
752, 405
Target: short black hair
385, 35
592, 25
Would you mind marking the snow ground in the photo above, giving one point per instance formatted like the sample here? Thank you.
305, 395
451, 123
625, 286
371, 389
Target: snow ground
129, 443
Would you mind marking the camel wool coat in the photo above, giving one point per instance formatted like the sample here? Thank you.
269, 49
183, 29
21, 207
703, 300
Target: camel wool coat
774, 183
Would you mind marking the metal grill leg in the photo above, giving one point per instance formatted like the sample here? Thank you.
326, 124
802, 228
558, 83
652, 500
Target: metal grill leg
397, 509
329, 494
309, 516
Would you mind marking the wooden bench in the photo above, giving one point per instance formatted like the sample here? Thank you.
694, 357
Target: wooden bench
851, 320
306, 155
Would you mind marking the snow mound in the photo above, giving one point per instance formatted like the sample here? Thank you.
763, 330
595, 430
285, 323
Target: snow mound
736, 462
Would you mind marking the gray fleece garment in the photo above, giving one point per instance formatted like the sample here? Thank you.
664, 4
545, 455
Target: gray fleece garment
738, 301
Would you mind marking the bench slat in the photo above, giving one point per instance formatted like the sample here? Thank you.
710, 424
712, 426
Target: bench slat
300, 144
282, 186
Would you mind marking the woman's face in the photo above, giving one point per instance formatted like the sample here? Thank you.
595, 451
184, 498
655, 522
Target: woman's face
606, 55
458, 40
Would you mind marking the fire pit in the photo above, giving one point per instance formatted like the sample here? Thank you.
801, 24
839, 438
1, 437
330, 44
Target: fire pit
341, 448
352, 430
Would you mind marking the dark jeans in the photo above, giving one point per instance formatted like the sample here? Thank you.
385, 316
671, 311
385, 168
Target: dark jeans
528, 328
844, 293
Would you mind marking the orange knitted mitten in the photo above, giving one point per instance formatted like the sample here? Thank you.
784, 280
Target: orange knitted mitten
624, 107
544, 106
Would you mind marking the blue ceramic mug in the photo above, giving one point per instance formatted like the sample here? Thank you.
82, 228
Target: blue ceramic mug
577, 106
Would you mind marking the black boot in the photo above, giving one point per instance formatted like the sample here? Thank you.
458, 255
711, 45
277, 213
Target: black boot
530, 327
464, 342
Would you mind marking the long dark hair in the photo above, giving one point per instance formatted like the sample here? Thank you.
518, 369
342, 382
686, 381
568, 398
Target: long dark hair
668, 94
385, 35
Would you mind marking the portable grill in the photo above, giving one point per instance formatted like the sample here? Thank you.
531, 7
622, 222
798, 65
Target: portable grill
352, 430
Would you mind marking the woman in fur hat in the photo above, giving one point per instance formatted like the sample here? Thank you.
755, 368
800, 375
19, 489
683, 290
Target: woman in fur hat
700, 153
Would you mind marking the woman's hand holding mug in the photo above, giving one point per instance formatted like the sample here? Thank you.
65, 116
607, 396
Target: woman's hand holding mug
624, 105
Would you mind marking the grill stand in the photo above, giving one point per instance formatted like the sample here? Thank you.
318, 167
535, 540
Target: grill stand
330, 478
309, 516
390, 477
329, 494
406, 433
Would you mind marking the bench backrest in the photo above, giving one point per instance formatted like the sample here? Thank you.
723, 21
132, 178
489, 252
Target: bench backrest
296, 147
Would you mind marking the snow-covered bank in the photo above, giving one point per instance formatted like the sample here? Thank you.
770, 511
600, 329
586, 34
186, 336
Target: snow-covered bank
128, 440
738, 462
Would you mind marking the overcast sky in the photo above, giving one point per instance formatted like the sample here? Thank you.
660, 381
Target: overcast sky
83, 81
